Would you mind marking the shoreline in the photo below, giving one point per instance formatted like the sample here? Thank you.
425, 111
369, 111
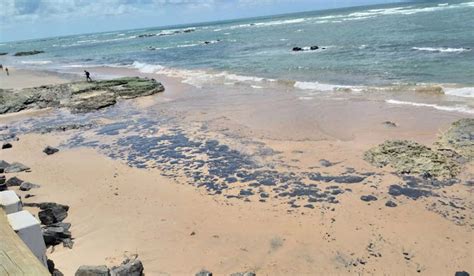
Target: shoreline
155, 215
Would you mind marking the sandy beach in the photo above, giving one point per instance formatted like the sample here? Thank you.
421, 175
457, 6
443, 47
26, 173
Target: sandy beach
127, 198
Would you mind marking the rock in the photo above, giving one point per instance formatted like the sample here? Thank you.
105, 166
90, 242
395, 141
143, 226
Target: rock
312, 48
297, 49
7, 146
54, 235
460, 138
461, 273
325, 163
53, 214
2, 179
389, 124
243, 274
3, 166
86, 270
3, 53
16, 167
368, 198
390, 203
28, 53
410, 157
204, 273
78, 96
26, 186
129, 267
3, 185
50, 150
14, 181
69, 243
56, 272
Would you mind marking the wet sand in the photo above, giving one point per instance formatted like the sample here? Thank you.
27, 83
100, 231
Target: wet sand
178, 226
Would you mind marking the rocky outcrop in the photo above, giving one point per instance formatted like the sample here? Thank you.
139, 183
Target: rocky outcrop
28, 53
408, 157
460, 138
78, 96
129, 267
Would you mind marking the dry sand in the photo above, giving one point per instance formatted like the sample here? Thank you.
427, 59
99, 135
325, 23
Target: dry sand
178, 229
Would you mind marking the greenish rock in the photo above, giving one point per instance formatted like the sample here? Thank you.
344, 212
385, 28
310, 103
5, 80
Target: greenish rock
460, 138
28, 53
408, 157
78, 96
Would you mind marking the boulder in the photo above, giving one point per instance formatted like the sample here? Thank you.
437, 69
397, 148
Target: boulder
26, 186
297, 49
14, 181
129, 267
87, 270
3, 185
7, 146
54, 235
312, 48
53, 214
50, 150
461, 273
16, 167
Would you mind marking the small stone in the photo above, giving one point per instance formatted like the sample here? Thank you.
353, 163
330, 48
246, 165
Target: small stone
16, 167
461, 273
50, 150
7, 146
368, 198
86, 270
243, 274
325, 163
14, 181
204, 273
390, 204
26, 186
389, 124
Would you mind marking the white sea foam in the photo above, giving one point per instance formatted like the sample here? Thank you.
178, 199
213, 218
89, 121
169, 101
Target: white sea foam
458, 108
316, 86
147, 68
442, 49
460, 92
36, 62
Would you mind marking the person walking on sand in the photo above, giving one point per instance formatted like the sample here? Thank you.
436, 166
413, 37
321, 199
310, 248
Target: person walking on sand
6, 70
88, 76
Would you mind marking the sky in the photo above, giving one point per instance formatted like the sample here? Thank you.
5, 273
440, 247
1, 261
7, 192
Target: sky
30, 19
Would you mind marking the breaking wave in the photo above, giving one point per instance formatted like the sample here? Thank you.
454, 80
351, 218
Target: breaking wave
458, 108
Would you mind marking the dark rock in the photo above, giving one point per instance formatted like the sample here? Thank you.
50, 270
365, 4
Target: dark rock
297, 49
29, 195
46, 205
26, 186
2, 179
14, 181
413, 193
325, 163
389, 124
129, 267
86, 270
53, 215
264, 195
390, 203
243, 274
312, 48
461, 273
3, 53
204, 273
7, 146
16, 167
50, 150
3, 166
54, 235
368, 198
69, 243
3, 185
56, 272
50, 265
28, 53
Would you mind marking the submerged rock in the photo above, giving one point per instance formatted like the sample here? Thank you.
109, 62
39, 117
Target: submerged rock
28, 53
78, 96
411, 157
87, 270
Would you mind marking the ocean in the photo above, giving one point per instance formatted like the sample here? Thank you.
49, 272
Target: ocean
411, 43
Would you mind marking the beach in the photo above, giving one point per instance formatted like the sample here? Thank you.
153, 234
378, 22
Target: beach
128, 196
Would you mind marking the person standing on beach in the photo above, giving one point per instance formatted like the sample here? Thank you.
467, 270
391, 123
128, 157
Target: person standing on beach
6, 70
88, 76
1, 67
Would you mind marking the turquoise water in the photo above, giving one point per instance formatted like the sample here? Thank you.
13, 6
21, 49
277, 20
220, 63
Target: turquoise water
418, 42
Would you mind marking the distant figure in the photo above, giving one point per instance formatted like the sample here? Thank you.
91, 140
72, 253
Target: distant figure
6, 70
1, 66
88, 76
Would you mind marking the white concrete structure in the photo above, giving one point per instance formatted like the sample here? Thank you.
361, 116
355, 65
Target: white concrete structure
10, 202
29, 230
